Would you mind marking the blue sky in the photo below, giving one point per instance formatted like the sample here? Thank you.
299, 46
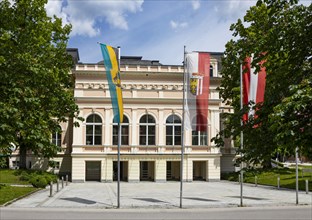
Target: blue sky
154, 29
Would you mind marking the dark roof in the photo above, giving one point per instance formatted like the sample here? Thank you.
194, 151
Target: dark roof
136, 60
74, 54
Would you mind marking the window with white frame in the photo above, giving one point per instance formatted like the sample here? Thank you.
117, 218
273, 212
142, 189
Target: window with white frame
211, 71
199, 138
94, 130
173, 130
57, 137
124, 132
147, 130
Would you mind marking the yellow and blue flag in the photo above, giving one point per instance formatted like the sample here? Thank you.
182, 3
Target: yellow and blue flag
110, 56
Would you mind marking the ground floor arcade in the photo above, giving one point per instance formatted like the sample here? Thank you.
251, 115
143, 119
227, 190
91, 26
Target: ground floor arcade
145, 168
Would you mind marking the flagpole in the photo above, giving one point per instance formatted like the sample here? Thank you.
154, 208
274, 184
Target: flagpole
297, 185
241, 136
182, 144
118, 150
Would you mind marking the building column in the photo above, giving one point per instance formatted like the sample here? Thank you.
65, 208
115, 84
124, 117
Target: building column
78, 170
107, 170
133, 127
106, 127
160, 130
213, 169
160, 170
134, 170
215, 122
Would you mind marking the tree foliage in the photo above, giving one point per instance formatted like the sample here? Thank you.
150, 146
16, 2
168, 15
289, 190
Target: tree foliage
35, 87
279, 33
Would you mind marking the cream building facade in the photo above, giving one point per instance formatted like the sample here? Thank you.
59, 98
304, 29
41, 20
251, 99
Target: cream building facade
151, 131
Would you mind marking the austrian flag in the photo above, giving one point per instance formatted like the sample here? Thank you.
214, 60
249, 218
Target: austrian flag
197, 66
253, 85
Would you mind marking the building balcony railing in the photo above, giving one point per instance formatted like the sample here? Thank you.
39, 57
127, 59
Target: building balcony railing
150, 149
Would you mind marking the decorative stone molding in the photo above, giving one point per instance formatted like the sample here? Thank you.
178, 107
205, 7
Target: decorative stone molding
130, 86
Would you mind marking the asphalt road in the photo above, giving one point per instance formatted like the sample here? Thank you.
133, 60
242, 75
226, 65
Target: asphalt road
281, 212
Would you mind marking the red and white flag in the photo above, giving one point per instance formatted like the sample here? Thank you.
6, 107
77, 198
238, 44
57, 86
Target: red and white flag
253, 85
197, 95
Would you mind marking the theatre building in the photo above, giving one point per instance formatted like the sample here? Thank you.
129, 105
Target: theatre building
151, 131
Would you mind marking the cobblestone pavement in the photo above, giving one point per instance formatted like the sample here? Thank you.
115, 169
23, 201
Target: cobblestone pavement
162, 195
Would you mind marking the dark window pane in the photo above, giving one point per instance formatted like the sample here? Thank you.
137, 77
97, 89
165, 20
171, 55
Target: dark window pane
142, 130
115, 140
89, 140
97, 119
98, 129
177, 130
94, 119
177, 140
169, 140
125, 130
97, 140
143, 119
115, 130
151, 140
125, 140
169, 130
177, 120
89, 129
142, 140
151, 119
170, 119
151, 130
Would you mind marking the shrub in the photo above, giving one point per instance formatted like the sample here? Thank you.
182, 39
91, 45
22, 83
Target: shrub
38, 181
24, 176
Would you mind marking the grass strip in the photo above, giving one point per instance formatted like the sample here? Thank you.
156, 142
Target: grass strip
8, 193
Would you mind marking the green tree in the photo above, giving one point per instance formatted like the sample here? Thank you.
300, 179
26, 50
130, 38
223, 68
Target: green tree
35, 87
279, 33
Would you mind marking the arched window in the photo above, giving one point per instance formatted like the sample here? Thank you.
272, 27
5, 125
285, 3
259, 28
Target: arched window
199, 137
94, 130
147, 130
124, 132
173, 130
57, 137
211, 71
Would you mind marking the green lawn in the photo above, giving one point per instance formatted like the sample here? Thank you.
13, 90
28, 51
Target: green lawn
269, 177
8, 193
11, 177
8, 178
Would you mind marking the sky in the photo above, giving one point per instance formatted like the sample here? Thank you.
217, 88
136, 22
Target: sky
153, 29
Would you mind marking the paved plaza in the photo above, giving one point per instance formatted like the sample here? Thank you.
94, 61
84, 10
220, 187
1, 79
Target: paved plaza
162, 195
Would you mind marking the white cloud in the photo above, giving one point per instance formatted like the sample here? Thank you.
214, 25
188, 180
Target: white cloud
178, 25
232, 8
84, 15
196, 4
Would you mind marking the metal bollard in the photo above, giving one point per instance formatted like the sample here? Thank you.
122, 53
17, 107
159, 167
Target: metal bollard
256, 181
51, 188
307, 186
57, 185
278, 182
66, 180
62, 182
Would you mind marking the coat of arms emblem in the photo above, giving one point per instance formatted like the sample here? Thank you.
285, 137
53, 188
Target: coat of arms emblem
196, 84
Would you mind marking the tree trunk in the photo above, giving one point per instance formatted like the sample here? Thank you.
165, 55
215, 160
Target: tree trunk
22, 156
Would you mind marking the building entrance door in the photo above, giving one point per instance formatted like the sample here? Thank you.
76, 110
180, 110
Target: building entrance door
93, 170
147, 170
200, 170
123, 170
173, 170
